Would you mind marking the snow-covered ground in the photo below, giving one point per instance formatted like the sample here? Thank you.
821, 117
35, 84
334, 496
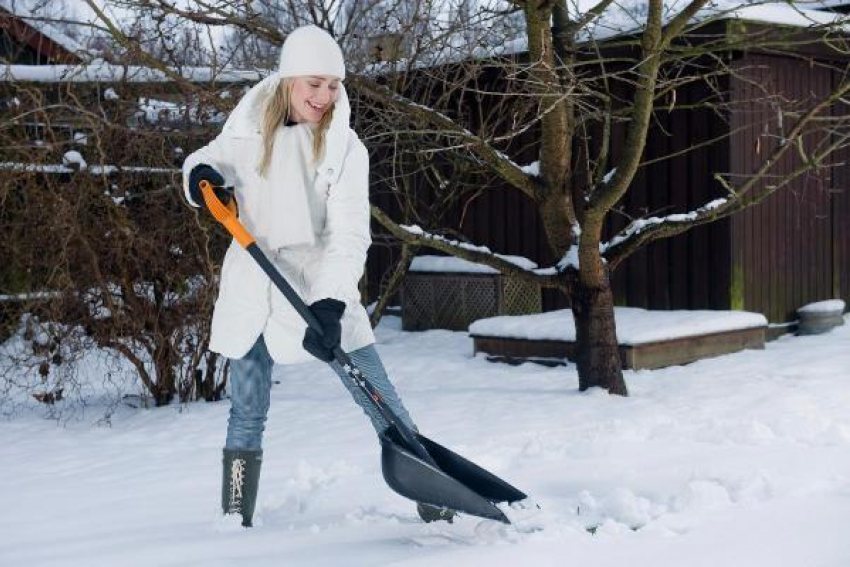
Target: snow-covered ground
742, 460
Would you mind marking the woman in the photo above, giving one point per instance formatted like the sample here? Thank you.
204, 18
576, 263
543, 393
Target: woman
301, 182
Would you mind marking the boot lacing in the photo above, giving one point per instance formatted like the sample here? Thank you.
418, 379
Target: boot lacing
237, 481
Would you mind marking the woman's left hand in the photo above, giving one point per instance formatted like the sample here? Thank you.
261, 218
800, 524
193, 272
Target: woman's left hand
329, 314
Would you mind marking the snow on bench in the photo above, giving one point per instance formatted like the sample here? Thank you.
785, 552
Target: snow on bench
450, 264
647, 339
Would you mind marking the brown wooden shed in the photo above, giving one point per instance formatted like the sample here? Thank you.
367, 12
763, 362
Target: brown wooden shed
791, 249
31, 42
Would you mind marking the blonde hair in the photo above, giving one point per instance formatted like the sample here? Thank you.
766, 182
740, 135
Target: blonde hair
277, 110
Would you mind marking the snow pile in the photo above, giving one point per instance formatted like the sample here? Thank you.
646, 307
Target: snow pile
73, 157
634, 325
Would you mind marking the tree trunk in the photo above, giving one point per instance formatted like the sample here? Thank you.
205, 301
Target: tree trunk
394, 283
211, 392
596, 338
166, 376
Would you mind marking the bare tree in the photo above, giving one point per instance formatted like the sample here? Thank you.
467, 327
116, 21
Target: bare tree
102, 255
577, 76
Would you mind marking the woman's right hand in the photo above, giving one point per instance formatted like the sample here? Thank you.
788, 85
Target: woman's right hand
204, 172
329, 314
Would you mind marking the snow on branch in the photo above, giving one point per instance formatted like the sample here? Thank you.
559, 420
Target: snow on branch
90, 169
639, 225
532, 169
641, 231
513, 266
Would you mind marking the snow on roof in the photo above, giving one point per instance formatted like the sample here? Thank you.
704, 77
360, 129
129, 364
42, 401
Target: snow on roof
102, 72
823, 4
786, 14
46, 29
629, 16
634, 325
99, 70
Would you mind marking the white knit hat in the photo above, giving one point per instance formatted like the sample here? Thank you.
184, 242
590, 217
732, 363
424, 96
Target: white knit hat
310, 50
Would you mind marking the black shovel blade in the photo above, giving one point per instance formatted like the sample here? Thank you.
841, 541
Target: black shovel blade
482, 481
413, 478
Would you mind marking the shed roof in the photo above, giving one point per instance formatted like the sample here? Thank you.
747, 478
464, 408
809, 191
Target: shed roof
70, 61
627, 17
31, 30
619, 19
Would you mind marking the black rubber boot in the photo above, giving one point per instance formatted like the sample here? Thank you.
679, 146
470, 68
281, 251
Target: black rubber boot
430, 513
240, 479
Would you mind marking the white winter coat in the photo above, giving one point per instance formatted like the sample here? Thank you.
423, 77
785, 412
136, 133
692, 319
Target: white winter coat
325, 237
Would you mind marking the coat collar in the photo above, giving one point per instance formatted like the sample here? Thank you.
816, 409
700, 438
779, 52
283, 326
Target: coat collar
246, 121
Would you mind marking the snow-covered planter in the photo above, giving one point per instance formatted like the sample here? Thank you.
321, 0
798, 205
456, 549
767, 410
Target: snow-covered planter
647, 339
820, 317
450, 293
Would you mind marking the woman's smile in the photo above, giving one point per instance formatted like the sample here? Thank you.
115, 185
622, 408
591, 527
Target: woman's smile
312, 96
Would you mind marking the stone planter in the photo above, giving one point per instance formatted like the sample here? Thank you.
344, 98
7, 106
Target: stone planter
820, 317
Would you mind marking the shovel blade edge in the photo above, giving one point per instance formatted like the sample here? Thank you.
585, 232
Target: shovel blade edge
480, 480
413, 478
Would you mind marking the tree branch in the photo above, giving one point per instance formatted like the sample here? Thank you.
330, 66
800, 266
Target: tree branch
507, 169
675, 26
643, 231
477, 255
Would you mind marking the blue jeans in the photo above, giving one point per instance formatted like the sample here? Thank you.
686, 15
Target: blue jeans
251, 382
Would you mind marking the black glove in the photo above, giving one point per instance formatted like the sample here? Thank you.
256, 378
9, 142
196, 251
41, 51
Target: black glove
203, 172
328, 312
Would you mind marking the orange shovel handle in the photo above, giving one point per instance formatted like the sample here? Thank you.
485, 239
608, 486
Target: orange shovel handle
226, 215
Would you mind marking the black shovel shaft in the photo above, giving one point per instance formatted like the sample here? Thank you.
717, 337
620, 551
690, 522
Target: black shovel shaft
342, 358
280, 282
413, 465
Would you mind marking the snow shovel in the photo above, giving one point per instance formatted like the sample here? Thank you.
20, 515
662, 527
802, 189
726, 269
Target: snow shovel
413, 465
